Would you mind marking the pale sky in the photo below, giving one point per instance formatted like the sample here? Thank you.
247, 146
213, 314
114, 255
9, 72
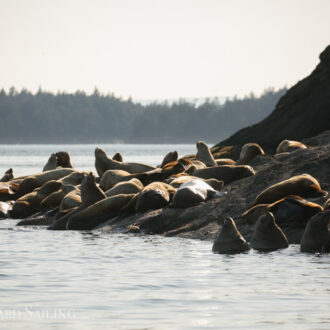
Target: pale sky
158, 49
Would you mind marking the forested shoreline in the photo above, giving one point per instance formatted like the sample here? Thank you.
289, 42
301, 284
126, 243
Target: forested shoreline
46, 117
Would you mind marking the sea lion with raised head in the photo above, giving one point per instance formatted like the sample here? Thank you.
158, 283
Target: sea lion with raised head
204, 154
104, 163
303, 185
63, 159
118, 157
7, 176
193, 192
288, 146
316, 237
248, 152
51, 163
267, 235
169, 157
229, 239
225, 173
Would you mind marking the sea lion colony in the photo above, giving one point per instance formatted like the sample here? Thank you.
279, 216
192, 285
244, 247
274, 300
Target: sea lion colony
64, 198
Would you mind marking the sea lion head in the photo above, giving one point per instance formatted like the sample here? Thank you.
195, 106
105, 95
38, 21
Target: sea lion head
63, 159
118, 157
152, 200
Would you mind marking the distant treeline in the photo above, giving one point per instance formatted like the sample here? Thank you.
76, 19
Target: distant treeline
45, 117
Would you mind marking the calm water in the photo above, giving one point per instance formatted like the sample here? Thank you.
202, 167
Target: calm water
98, 280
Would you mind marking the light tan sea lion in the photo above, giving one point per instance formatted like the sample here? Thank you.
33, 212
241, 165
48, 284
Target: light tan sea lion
225, 173
104, 163
288, 146
316, 237
204, 154
37, 180
303, 185
248, 152
267, 236
132, 186
63, 159
224, 161
98, 213
229, 239
118, 157
7, 176
193, 192
177, 182
169, 157
51, 163
72, 199
111, 177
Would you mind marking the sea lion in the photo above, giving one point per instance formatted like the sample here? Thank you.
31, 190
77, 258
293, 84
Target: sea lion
193, 192
37, 180
224, 161
98, 213
104, 163
229, 239
8, 191
90, 194
267, 236
118, 157
111, 177
4, 209
63, 159
132, 186
169, 157
204, 154
176, 182
316, 237
251, 215
248, 152
22, 209
51, 163
7, 176
303, 185
288, 146
225, 173
72, 198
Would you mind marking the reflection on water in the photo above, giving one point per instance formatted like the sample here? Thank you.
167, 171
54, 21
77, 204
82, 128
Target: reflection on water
65, 279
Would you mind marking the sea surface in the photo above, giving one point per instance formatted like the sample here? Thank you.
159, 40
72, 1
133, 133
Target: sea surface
98, 280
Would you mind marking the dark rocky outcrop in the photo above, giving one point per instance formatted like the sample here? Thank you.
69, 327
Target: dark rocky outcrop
304, 111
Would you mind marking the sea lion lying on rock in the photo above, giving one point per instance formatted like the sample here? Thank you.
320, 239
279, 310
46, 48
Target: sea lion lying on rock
267, 236
132, 186
224, 161
72, 198
303, 185
7, 176
204, 154
248, 152
288, 146
193, 192
316, 237
225, 173
112, 177
104, 163
177, 182
229, 239
98, 212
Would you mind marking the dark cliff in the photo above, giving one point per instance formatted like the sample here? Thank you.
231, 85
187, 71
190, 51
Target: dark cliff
304, 111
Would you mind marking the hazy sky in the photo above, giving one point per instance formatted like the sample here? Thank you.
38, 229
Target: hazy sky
151, 49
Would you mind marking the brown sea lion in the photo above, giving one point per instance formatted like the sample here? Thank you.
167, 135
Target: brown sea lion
72, 198
8, 191
267, 236
104, 163
22, 209
193, 192
63, 159
111, 177
51, 163
37, 180
224, 161
169, 157
204, 154
303, 185
251, 215
132, 186
118, 157
288, 146
7, 176
225, 173
248, 152
316, 237
229, 239
98, 213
